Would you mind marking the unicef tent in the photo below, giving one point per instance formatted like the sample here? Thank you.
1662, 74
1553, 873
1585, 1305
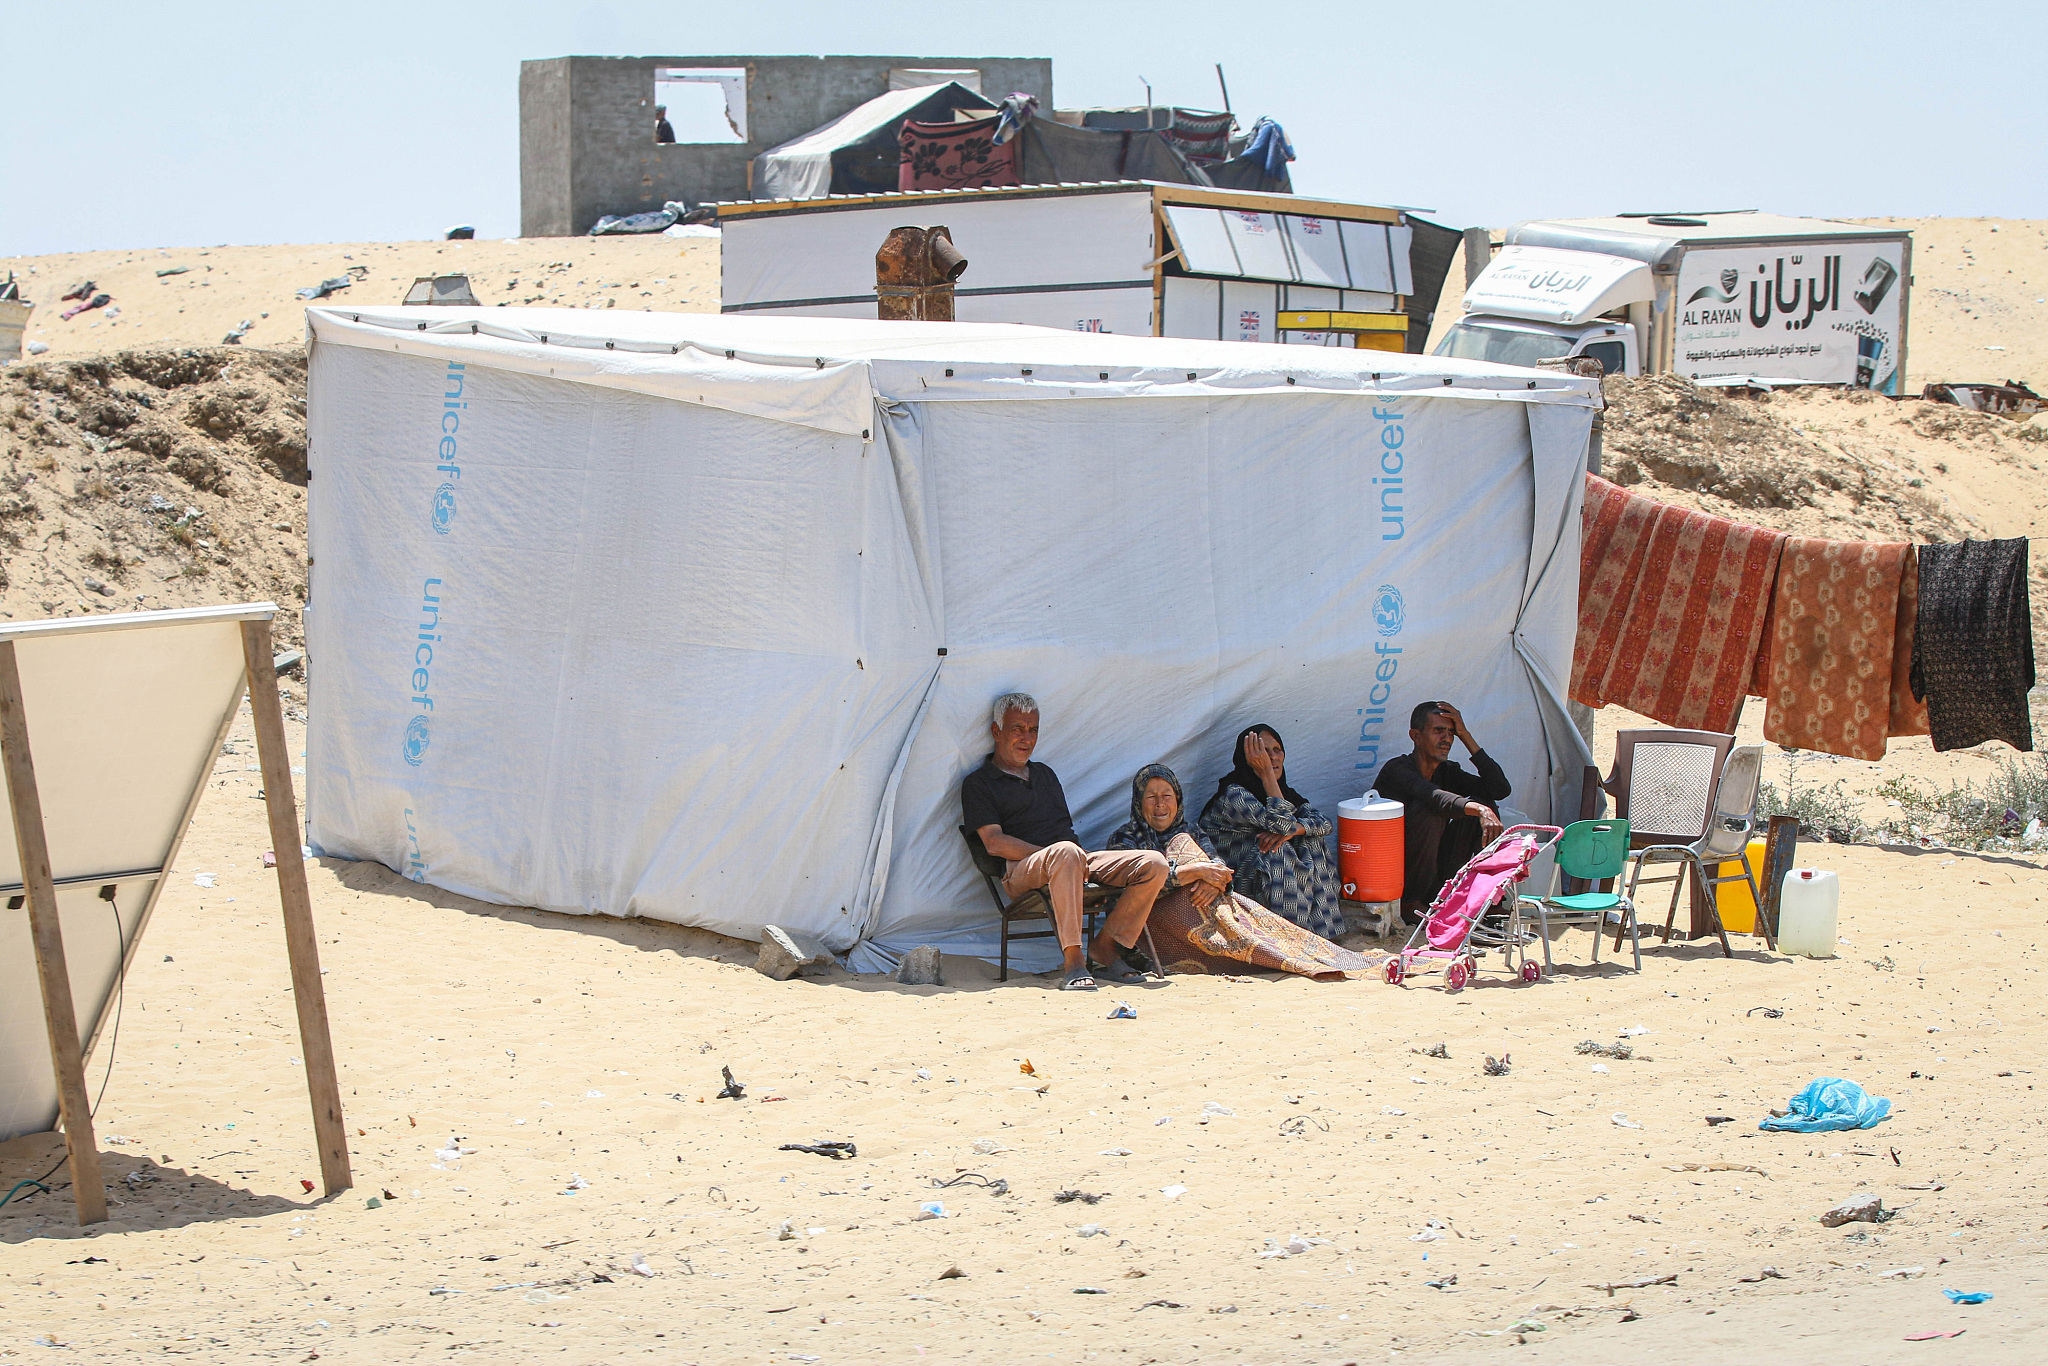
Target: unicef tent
698, 617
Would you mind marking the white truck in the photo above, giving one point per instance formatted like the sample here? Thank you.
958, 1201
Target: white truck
1710, 296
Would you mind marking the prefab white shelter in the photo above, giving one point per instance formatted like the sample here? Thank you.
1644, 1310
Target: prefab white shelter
1131, 257
699, 617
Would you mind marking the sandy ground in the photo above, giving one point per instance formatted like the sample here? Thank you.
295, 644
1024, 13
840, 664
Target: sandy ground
1980, 299
222, 287
553, 1051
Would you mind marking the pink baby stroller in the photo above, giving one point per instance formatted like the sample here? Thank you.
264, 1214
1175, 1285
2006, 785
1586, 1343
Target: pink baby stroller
1456, 932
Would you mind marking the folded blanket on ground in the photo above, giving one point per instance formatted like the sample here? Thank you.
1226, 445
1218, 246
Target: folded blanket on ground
1824, 667
1236, 933
1671, 608
1973, 645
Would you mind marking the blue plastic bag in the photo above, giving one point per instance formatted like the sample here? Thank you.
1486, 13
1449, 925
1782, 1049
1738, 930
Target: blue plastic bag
1972, 1297
1831, 1103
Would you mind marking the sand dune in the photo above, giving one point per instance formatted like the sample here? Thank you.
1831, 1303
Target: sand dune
222, 287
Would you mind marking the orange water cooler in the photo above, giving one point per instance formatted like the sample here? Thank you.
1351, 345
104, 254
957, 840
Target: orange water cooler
1372, 853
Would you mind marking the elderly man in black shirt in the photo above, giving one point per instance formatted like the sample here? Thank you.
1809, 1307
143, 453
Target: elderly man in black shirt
1451, 814
1020, 812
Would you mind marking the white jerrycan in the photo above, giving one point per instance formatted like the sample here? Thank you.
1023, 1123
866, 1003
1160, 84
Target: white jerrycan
1808, 907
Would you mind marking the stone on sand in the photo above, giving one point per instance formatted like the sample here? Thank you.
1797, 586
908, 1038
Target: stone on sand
920, 968
785, 953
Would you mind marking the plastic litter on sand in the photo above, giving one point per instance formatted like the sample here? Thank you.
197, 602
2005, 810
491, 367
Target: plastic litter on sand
1293, 1247
1827, 1104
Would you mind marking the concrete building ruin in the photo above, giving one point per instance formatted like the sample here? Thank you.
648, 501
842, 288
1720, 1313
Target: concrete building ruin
587, 124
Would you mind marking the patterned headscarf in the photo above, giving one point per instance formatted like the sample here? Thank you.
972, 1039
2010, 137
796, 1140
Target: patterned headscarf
1137, 833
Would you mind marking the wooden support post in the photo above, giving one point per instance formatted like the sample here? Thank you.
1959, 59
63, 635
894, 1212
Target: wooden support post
1780, 846
300, 942
60, 1017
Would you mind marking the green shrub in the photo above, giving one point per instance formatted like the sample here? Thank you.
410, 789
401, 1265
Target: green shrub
1825, 813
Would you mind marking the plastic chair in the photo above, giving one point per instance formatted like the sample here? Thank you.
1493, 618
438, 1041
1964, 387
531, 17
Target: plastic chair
1663, 783
1725, 840
1033, 905
1591, 851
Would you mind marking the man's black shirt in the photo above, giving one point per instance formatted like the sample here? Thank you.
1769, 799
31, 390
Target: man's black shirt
1032, 809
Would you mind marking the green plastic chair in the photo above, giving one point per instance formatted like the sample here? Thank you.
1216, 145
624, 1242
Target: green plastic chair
1594, 851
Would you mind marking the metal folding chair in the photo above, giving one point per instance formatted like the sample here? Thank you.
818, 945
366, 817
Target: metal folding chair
1589, 851
1724, 840
1033, 905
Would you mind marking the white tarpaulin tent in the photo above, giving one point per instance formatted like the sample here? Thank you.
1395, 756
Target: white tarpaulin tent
698, 617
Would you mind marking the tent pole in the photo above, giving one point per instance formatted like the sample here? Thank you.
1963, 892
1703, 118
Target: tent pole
60, 1016
301, 944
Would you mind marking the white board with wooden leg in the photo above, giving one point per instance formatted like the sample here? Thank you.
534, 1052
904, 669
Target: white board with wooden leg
110, 727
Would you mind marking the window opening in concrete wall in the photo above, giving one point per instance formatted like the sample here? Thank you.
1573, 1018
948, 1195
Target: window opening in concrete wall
701, 104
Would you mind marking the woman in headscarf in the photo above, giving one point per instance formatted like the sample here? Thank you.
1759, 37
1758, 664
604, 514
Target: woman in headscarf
1198, 924
1275, 841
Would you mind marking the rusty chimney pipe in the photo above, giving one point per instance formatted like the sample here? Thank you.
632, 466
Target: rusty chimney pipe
914, 274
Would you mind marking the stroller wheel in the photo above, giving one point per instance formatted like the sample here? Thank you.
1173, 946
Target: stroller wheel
1457, 974
1394, 973
1532, 972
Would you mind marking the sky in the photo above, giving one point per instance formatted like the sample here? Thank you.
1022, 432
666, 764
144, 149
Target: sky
190, 124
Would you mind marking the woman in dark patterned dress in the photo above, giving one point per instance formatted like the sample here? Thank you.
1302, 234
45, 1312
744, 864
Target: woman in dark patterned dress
1277, 843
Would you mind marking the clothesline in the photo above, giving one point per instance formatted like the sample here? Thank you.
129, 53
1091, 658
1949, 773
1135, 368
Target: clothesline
1683, 614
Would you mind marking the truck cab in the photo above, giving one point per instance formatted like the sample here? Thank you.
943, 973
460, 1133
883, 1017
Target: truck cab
1710, 296
1515, 341
1539, 303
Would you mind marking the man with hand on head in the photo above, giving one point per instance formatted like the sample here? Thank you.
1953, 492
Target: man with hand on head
1020, 812
1451, 814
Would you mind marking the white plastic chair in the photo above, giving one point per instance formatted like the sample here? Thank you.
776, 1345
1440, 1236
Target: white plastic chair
1726, 839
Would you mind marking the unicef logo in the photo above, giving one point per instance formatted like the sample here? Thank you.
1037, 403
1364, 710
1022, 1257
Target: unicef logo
1388, 612
444, 511
416, 739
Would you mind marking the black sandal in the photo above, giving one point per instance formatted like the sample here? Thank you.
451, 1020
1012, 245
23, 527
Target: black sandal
1080, 979
1139, 961
1118, 973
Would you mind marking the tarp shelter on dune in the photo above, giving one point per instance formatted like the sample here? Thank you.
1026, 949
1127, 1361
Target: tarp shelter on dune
857, 150
699, 617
